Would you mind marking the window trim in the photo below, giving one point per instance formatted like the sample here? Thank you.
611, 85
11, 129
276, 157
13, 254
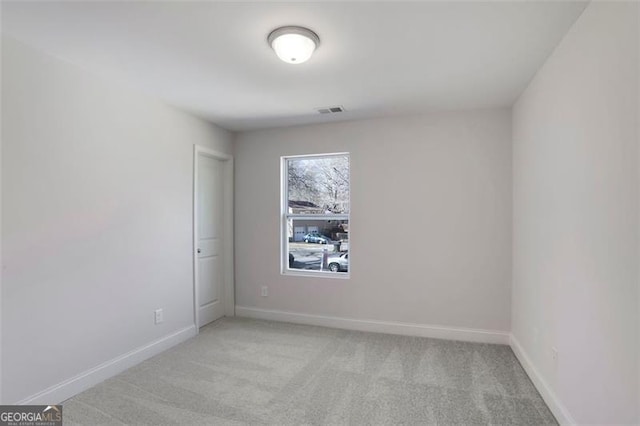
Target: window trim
285, 216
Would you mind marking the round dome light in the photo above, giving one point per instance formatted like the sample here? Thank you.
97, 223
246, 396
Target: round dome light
294, 45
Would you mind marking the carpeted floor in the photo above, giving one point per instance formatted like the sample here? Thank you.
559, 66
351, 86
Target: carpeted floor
241, 371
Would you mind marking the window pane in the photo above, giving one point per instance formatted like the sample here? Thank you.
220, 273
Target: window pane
318, 245
318, 185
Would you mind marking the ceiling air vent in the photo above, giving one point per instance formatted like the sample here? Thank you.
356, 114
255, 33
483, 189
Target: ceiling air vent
331, 110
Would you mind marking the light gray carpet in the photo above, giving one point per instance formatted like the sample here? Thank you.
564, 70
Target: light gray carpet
240, 371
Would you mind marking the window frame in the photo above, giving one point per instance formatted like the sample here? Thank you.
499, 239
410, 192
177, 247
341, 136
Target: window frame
285, 216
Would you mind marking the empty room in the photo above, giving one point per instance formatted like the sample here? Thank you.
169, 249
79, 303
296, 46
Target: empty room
183, 182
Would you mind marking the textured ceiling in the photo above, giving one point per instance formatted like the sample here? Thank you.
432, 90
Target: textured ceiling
375, 59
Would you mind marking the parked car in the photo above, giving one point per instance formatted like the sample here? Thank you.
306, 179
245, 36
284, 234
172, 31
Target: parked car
314, 237
338, 262
292, 260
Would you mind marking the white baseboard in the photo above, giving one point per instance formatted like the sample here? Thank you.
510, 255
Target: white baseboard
407, 329
83, 381
557, 408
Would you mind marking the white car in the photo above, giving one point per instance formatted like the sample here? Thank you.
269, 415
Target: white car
338, 262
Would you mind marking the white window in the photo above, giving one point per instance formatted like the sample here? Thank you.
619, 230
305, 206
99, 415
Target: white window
315, 215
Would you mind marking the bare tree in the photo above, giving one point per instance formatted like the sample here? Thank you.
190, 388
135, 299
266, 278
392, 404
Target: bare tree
322, 181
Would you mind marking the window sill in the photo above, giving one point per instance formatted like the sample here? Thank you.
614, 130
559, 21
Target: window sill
316, 274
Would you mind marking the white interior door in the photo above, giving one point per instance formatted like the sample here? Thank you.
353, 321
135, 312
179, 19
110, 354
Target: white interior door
210, 236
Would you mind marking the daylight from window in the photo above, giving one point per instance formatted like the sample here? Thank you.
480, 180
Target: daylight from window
316, 214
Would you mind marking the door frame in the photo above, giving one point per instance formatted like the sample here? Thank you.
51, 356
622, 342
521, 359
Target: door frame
227, 224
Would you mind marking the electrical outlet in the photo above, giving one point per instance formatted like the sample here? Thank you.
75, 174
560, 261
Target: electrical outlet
159, 316
554, 354
265, 291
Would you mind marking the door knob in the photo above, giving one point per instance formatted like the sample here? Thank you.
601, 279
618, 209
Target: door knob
199, 250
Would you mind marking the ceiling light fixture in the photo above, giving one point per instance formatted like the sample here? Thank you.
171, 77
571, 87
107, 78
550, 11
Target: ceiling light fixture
294, 45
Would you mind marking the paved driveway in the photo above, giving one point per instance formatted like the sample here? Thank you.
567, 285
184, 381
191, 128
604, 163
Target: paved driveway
308, 255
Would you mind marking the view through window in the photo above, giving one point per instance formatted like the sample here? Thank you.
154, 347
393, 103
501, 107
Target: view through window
316, 214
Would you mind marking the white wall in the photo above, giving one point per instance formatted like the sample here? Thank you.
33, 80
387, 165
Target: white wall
430, 220
576, 219
96, 219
